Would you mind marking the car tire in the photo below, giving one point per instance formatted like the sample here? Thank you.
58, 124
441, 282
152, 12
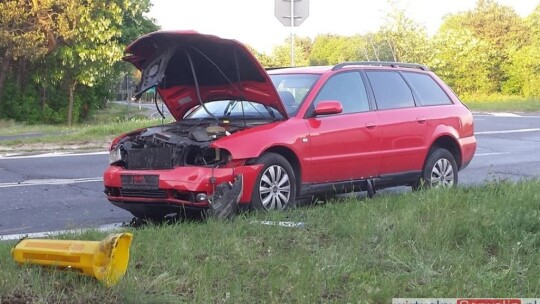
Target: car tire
275, 187
440, 171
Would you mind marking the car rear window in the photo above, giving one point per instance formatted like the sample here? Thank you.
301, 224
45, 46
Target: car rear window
427, 89
390, 90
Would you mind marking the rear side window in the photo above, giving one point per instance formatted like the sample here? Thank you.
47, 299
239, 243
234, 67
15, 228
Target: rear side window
348, 89
390, 90
427, 89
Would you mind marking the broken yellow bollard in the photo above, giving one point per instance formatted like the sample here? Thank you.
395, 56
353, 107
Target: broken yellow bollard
106, 260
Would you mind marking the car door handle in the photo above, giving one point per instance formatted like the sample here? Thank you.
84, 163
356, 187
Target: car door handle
421, 120
371, 125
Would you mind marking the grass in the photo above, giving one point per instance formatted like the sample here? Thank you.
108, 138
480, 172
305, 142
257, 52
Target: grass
466, 242
496, 103
95, 133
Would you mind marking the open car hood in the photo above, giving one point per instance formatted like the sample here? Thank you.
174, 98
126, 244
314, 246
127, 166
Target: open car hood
188, 67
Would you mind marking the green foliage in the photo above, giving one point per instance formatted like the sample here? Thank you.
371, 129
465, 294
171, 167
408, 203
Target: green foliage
333, 49
67, 54
462, 61
502, 32
281, 54
407, 40
523, 69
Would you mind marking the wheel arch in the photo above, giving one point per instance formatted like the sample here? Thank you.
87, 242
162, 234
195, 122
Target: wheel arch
449, 143
292, 158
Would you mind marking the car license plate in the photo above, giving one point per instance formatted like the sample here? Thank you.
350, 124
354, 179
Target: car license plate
136, 181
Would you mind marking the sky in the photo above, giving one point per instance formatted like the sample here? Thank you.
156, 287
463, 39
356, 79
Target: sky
253, 21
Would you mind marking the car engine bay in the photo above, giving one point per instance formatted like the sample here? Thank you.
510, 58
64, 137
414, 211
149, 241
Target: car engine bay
173, 145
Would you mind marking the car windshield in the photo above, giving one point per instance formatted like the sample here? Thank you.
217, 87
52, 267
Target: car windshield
234, 109
293, 88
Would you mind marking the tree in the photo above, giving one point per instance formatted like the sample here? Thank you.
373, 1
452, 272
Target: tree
282, 53
524, 68
89, 57
462, 61
265, 60
27, 32
333, 49
497, 25
65, 45
406, 39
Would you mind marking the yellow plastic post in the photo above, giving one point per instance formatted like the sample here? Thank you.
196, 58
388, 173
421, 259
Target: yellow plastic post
106, 260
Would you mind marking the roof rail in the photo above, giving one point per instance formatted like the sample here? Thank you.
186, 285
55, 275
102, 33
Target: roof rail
382, 63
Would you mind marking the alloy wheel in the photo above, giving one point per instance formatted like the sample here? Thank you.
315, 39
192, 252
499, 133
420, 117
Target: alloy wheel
275, 188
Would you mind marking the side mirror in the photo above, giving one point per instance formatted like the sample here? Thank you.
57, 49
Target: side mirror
328, 107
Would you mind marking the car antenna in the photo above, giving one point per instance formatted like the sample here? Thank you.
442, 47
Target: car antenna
197, 88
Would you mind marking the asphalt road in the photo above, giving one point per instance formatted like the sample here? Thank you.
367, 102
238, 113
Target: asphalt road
56, 192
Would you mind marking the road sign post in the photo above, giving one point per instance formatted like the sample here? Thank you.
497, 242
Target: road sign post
292, 13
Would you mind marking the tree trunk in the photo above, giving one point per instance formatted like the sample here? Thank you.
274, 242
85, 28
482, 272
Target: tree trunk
72, 87
21, 75
43, 96
4, 68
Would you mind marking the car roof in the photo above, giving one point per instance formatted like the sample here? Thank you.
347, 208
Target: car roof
385, 65
300, 70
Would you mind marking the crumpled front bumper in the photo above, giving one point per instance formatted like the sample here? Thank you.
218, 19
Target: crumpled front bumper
177, 187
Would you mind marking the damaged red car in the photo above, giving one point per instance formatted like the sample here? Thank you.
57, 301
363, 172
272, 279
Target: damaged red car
245, 136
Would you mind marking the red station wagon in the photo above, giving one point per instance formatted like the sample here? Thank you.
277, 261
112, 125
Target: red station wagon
245, 136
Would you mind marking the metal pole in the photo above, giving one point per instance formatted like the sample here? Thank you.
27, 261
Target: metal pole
292, 32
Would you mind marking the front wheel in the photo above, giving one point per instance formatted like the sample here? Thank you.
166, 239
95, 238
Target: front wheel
275, 187
440, 170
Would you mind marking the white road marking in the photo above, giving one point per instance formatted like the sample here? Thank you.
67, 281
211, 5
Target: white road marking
503, 114
490, 154
507, 131
42, 182
53, 154
103, 228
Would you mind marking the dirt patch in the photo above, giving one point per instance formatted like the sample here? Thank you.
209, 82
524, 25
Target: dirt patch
17, 297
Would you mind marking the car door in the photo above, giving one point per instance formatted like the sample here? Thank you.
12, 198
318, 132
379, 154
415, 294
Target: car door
404, 130
343, 146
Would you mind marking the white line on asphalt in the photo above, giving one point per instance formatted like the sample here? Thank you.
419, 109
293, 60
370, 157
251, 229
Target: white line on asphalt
103, 228
503, 114
53, 154
507, 131
42, 182
490, 154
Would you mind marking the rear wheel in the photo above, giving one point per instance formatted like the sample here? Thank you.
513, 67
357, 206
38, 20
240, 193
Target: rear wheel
275, 187
440, 170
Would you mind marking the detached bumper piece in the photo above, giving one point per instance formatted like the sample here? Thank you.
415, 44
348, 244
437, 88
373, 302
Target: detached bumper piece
224, 203
105, 260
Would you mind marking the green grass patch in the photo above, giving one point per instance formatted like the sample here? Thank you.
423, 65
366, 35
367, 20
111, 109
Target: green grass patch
116, 112
502, 103
98, 131
466, 242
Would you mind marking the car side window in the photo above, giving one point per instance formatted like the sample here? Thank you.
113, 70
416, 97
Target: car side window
429, 92
347, 88
390, 90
